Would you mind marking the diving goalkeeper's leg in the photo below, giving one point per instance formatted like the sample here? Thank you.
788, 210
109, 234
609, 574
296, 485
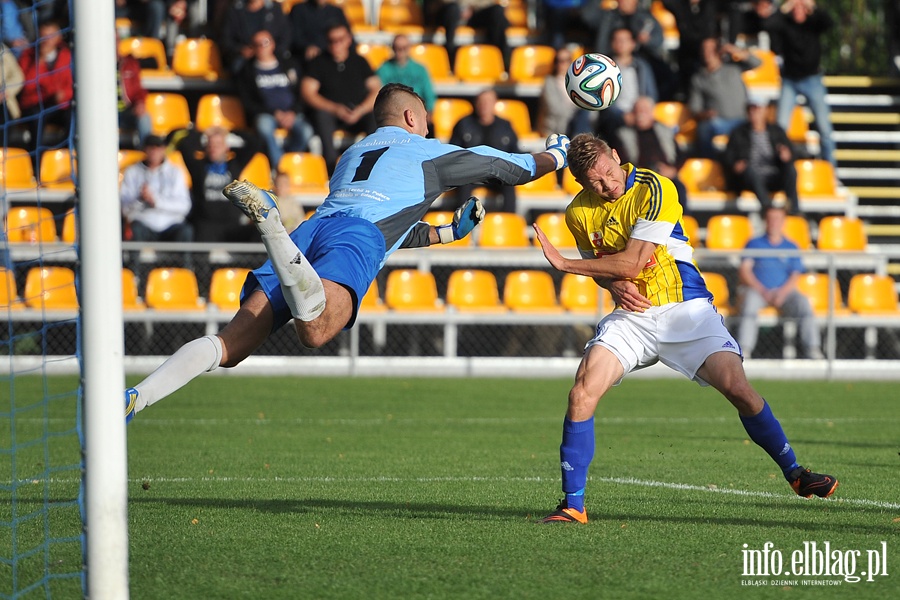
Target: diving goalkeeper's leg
302, 288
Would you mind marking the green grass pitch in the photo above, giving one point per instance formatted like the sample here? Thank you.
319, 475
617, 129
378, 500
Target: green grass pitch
426, 488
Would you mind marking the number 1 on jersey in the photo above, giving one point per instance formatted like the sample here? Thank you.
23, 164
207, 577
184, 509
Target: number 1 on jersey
367, 163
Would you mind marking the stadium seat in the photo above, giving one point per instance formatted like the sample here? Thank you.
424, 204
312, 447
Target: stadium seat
530, 291
16, 171
581, 294
178, 160
516, 112
144, 49
225, 288
372, 302
197, 57
554, 226
130, 157
815, 177
544, 186
130, 299
258, 171
796, 229
703, 178
443, 217
667, 21
306, 171
479, 63
798, 128
569, 185
355, 11
766, 77
69, 228
400, 16
815, 287
173, 289
503, 230
168, 112
56, 170
447, 112
531, 63
30, 224
872, 294
412, 291
474, 291
435, 59
841, 234
718, 286
677, 116
51, 288
516, 12
692, 230
220, 111
375, 54
728, 232
9, 293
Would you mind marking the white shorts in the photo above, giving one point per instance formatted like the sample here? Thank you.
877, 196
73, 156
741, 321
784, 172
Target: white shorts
681, 335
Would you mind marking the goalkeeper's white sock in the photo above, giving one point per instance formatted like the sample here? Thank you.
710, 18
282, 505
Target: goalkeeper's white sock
191, 360
300, 284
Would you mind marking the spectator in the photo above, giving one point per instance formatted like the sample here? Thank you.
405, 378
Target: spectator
11, 30
649, 144
402, 69
146, 16
759, 158
290, 209
637, 80
798, 30
132, 97
339, 87
486, 15
718, 97
155, 197
243, 19
185, 18
214, 159
696, 21
310, 21
12, 81
646, 29
46, 97
555, 111
560, 17
484, 128
269, 90
772, 281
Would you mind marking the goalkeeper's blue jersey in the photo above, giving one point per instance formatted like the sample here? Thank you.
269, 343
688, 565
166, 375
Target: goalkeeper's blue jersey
392, 177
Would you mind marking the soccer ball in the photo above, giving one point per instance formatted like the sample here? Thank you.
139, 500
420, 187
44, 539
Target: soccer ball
593, 81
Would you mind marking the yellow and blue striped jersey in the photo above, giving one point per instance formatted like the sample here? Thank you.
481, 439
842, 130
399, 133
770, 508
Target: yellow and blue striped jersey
648, 210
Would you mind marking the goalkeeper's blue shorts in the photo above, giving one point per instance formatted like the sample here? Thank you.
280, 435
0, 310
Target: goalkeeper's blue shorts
346, 250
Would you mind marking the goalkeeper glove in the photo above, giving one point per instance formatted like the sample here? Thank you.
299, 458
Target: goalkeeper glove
557, 147
465, 218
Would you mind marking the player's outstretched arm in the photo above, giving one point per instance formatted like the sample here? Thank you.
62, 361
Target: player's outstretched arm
465, 218
626, 264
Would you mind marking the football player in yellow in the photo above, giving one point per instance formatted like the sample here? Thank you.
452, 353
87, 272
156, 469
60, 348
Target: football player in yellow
627, 223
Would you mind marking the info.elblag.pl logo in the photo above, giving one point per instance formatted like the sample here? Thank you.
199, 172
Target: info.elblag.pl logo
815, 560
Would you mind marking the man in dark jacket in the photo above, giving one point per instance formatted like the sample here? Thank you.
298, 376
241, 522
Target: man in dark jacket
310, 21
245, 18
759, 158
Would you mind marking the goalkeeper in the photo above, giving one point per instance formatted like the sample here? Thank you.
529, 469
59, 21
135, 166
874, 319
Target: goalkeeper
318, 275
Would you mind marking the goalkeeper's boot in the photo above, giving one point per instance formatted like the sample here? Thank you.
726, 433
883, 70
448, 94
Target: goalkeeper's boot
131, 396
564, 514
251, 199
809, 484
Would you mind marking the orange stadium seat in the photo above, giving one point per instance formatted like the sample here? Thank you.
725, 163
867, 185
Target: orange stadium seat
143, 48
545, 185
765, 77
796, 229
30, 224
435, 59
728, 232
16, 169
530, 291
503, 230
130, 157
677, 116
581, 294
258, 171
447, 112
400, 16
554, 226
372, 301
51, 288
173, 289
214, 110
569, 185
69, 229
479, 63
516, 112
815, 177
841, 233
130, 299
168, 112
692, 230
225, 288
306, 171
375, 54
411, 290
703, 178
9, 293
873, 294
197, 57
474, 291
815, 287
56, 170
531, 63
718, 286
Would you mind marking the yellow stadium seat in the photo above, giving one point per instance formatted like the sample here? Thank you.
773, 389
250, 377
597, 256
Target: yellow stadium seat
30, 224
796, 229
173, 289
435, 59
479, 63
375, 54
355, 11
503, 230
130, 157
144, 48
666, 21
872, 294
516, 112
258, 171
581, 294
225, 288
531, 63
69, 229
530, 291
306, 171
569, 185
197, 57
545, 185
841, 233
372, 302
214, 110
444, 217
692, 230
728, 232
766, 76
130, 299
718, 286
703, 178
168, 112
400, 16
815, 177
677, 116
9, 293
56, 170
798, 128
410, 290
16, 171
554, 226
474, 291
51, 288
815, 287
447, 112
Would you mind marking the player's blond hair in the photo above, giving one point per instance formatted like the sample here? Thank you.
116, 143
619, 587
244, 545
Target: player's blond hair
584, 151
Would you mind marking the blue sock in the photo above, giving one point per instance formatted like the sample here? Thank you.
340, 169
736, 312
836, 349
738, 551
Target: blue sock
765, 430
575, 454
